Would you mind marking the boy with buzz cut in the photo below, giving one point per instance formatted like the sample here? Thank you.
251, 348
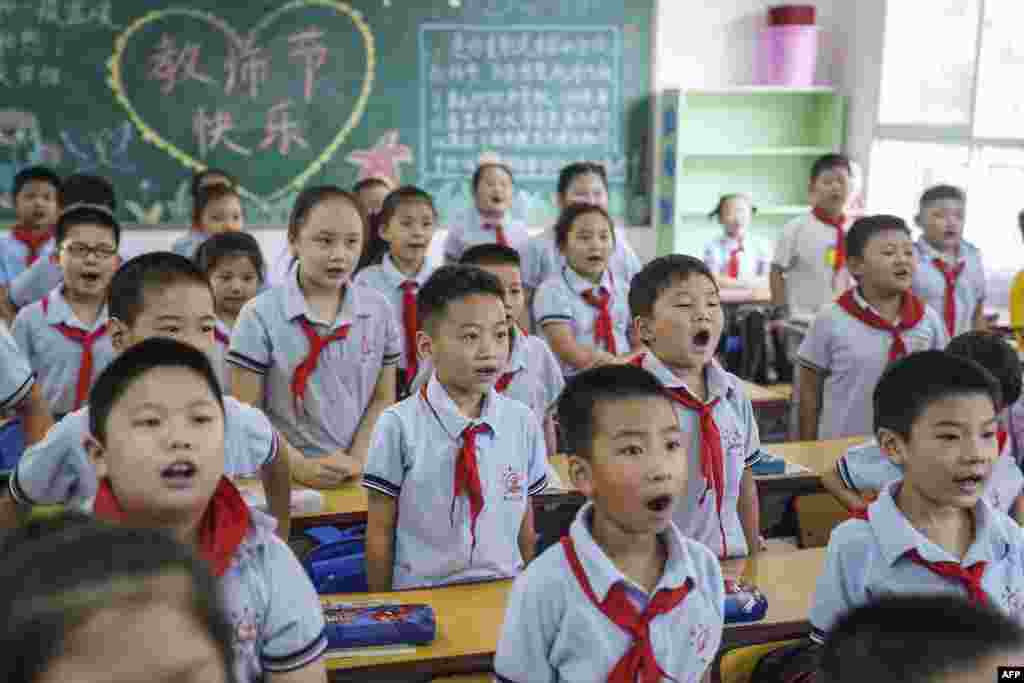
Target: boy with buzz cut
626, 596
156, 438
35, 194
950, 276
872, 324
936, 416
158, 294
677, 314
921, 639
452, 468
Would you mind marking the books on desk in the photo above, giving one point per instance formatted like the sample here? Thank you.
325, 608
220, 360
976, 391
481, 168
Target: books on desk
368, 629
774, 465
304, 501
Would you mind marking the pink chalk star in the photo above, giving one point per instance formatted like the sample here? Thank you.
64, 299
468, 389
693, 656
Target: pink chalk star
382, 159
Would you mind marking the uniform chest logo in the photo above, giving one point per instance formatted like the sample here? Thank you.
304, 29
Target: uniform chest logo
512, 483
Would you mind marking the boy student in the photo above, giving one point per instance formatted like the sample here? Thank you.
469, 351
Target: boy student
156, 437
950, 276
35, 192
39, 279
158, 294
66, 335
493, 193
452, 468
626, 596
864, 469
936, 416
852, 340
675, 305
921, 639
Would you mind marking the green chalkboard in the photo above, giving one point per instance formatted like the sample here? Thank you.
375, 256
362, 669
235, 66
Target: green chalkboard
285, 94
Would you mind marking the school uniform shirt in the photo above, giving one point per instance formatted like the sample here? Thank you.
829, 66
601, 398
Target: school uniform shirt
274, 611
16, 377
54, 357
865, 467
386, 279
697, 514
867, 560
268, 339
36, 281
57, 470
415, 447
470, 231
222, 340
969, 292
851, 355
806, 252
554, 632
559, 299
14, 257
753, 261
189, 243
541, 258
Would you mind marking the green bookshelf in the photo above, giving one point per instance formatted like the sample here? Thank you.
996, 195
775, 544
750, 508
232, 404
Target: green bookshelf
760, 140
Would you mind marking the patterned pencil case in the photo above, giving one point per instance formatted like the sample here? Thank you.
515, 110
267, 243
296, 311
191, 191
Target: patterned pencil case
353, 626
743, 603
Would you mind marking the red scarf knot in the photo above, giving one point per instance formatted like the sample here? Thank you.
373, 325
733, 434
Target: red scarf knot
499, 233
506, 378
33, 240
911, 313
467, 479
604, 330
87, 340
969, 577
410, 327
836, 222
306, 368
732, 267
950, 274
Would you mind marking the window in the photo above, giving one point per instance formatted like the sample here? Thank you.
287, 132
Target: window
951, 110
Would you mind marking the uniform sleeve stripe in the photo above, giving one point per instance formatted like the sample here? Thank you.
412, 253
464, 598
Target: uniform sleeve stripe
17, 492
555, 319
298, 660
19, 394
539, 486
843, 469
818, 636
242, 361
754, 458
501, 679
275, 449
381, 485
808, 364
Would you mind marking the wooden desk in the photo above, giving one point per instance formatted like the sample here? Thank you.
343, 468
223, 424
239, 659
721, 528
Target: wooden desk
469, 618
768, 395
743, 295
817, 456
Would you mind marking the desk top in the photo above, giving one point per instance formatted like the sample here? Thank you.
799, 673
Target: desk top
773, 393
817, 456
745, 295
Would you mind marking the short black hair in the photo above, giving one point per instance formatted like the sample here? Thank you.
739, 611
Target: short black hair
199, 177
490, 254
58, 573
717, 211
479, 172
157, 352
153, 270
370, 182
209, 194
915, 639
660, 274
86, 214
571, 213
228, 245
452, 283
866, 227
35, 173
829, 162
911, 384
85, 188
995, 354
937, 193
572, 171
577, 405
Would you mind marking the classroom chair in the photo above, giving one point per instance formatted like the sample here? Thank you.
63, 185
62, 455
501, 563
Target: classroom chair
816, 515
737, 666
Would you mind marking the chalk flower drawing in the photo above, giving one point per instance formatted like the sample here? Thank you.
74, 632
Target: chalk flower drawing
382, 159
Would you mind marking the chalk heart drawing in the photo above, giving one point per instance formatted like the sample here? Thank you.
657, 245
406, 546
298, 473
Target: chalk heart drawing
115, 67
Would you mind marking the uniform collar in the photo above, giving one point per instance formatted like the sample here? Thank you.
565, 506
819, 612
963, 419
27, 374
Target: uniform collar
59, 312
579, 285
602, 572
295, 305
896, 536
730, 243
454, 422
396, 278
715, 377
931, 252
518, 356
863, 303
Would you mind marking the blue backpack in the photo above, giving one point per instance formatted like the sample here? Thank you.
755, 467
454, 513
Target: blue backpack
337, 564
12, 445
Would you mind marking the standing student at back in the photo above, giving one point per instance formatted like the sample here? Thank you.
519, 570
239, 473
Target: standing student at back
217, 209
950, 276
936, 416
583, 310
407, 221
490, 220
35, 193
732, 257
675, 305
626, 596
371, 193
201, 182
852, 340
453, 467
65, 335
809, 265
233, 263
315, 352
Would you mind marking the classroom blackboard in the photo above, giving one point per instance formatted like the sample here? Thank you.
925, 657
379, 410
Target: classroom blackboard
287, 94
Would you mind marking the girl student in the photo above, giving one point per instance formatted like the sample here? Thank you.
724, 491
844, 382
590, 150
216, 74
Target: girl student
216, 208
732, 257
317, 354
